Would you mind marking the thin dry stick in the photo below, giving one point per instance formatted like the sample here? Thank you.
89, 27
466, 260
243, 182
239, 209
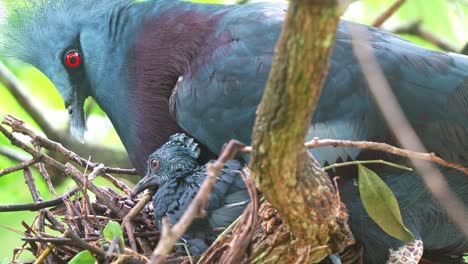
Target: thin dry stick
314, 143
44, 254
45, 174
403, 131
112, 247
56, 240
19, 126
67, 169
56, 224
82, 244
8, 79
37, 206
416, 29
13, 154
21, 166
127, 221
245, 228
118, 184
429, 156
388, 13
84, 208
98, 191
170, 235
30, 182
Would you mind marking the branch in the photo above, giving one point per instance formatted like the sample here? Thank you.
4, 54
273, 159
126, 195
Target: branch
67, 169
82, 244
314, 143
56, 240
170, 235
8, 79
127, 221
388, 13
19, 126
279, 162
39, 205
416, 29
21, 166
464, 51
32, 185
13, 154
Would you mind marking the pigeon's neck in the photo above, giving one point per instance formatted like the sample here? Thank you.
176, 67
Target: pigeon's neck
168, 45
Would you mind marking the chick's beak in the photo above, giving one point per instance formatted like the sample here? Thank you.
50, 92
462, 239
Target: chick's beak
147, 182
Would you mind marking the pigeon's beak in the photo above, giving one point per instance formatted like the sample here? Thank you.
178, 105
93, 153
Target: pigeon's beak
147, 182
75, 107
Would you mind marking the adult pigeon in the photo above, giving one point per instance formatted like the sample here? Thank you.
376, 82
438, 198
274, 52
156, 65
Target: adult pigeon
173, 168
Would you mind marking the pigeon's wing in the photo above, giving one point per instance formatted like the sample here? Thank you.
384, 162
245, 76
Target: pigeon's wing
217, 102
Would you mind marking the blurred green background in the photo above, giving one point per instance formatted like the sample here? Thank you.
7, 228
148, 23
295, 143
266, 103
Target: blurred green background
445, 19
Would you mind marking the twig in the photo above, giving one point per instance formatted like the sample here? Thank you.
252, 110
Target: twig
70, 213
464, 51
416, 29
8, 79
19, 126
32, 185
316, 142
56, 224
84, 207
79, 179
21, 166
112, 247
13, 154
44, 254
67, 169
118, 184
56, 240
246, 227
98, 217
132, 214
147, 234
234, 251
45, 175
170, 235
388, 13
82, 244
356, 162
37, 206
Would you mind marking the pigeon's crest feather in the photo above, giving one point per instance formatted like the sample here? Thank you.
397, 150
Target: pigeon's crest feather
182, 142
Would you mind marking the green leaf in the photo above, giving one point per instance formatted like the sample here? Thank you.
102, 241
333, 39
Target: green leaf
113, 229
381, 204
84, 257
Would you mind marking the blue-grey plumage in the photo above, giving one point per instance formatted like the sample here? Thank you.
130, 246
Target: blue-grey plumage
174, 170
218, 57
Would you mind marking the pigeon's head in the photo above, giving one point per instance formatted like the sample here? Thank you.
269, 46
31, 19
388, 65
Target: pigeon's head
70, 41
177, 156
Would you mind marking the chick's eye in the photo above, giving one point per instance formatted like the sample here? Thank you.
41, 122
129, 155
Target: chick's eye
154, 164
73, 59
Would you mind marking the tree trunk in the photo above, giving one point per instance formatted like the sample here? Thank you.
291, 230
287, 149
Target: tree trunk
283, 169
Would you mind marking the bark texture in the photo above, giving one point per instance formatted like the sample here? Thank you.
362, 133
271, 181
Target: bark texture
284, 171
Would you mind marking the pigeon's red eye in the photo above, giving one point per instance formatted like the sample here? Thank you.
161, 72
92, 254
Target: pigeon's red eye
154, 164
73, 59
